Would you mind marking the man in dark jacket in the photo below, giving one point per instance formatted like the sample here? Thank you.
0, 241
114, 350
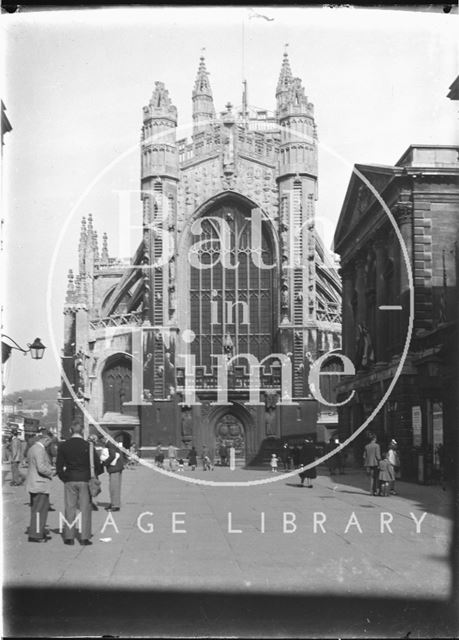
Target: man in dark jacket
285, 456
73, 468
115, 465
371, 459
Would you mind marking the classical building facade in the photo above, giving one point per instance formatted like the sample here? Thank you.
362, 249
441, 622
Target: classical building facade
230, 272
421, 193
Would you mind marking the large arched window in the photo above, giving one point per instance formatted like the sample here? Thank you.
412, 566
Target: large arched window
232, 310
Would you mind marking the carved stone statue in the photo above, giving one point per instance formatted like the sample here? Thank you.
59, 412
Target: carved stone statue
365, 355
169, 374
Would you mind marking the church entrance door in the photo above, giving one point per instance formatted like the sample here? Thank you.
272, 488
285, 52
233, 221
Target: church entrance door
117, 386
229, 431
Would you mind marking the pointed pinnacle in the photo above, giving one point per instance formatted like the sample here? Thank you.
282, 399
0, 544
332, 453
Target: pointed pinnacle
202, 84
285, 76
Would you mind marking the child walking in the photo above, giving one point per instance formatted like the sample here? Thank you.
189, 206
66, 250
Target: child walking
274, 463
207, 464
386, 475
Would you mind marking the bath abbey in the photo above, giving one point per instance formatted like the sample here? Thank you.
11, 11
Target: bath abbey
209, 334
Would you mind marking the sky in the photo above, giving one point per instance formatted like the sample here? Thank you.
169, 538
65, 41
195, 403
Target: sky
74, 84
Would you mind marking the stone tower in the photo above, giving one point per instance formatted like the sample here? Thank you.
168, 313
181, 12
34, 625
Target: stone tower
297, 180
159, 178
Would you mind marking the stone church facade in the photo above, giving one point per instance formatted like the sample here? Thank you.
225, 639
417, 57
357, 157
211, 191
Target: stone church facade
229, 273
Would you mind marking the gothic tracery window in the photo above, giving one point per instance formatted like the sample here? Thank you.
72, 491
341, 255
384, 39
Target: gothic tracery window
235, 302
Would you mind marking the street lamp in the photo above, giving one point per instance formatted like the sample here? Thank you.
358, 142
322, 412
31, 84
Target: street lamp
36, 349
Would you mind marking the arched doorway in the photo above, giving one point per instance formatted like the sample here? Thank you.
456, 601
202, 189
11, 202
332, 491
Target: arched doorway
230, 431
117, 384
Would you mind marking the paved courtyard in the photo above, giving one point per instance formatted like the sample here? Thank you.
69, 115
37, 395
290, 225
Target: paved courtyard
333, 541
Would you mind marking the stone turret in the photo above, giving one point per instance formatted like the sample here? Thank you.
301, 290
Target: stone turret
298, 152
158, 147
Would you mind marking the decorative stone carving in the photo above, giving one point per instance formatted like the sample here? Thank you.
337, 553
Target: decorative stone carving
187, 423
271, 400
285, 299
403, 212
363, 199
205, 409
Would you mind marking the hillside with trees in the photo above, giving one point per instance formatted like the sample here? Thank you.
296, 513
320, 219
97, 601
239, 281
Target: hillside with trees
34, 399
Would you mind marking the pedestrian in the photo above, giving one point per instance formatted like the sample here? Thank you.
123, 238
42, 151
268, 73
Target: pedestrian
51, 448
114, 465
159, 456
74, 469
273, 463
386, 474
206, 461
394, 459
296, 456
92, 439
332, 461
440, 451
340, 458
180, 464
133, 457
172, 456
371, 460
307, 456
38, 484
193, 459
223, 453
285, 456
6, 450
16, 458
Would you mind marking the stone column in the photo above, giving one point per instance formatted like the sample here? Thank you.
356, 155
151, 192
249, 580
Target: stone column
360, 287
381, 316
347, 273
403, 212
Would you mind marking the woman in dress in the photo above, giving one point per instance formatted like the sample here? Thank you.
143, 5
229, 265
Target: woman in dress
193, 458
308, 455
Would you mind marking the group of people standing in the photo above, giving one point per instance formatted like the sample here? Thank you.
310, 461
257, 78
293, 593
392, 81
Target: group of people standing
295, 458
382, 468
77, 462
176, 462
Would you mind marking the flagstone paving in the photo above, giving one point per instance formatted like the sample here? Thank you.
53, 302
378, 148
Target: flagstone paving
272, 560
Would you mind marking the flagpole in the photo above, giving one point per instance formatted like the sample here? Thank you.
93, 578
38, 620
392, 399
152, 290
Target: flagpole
243, 48
244, 81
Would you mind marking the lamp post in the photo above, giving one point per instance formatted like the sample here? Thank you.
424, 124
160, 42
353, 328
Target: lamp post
36, 349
